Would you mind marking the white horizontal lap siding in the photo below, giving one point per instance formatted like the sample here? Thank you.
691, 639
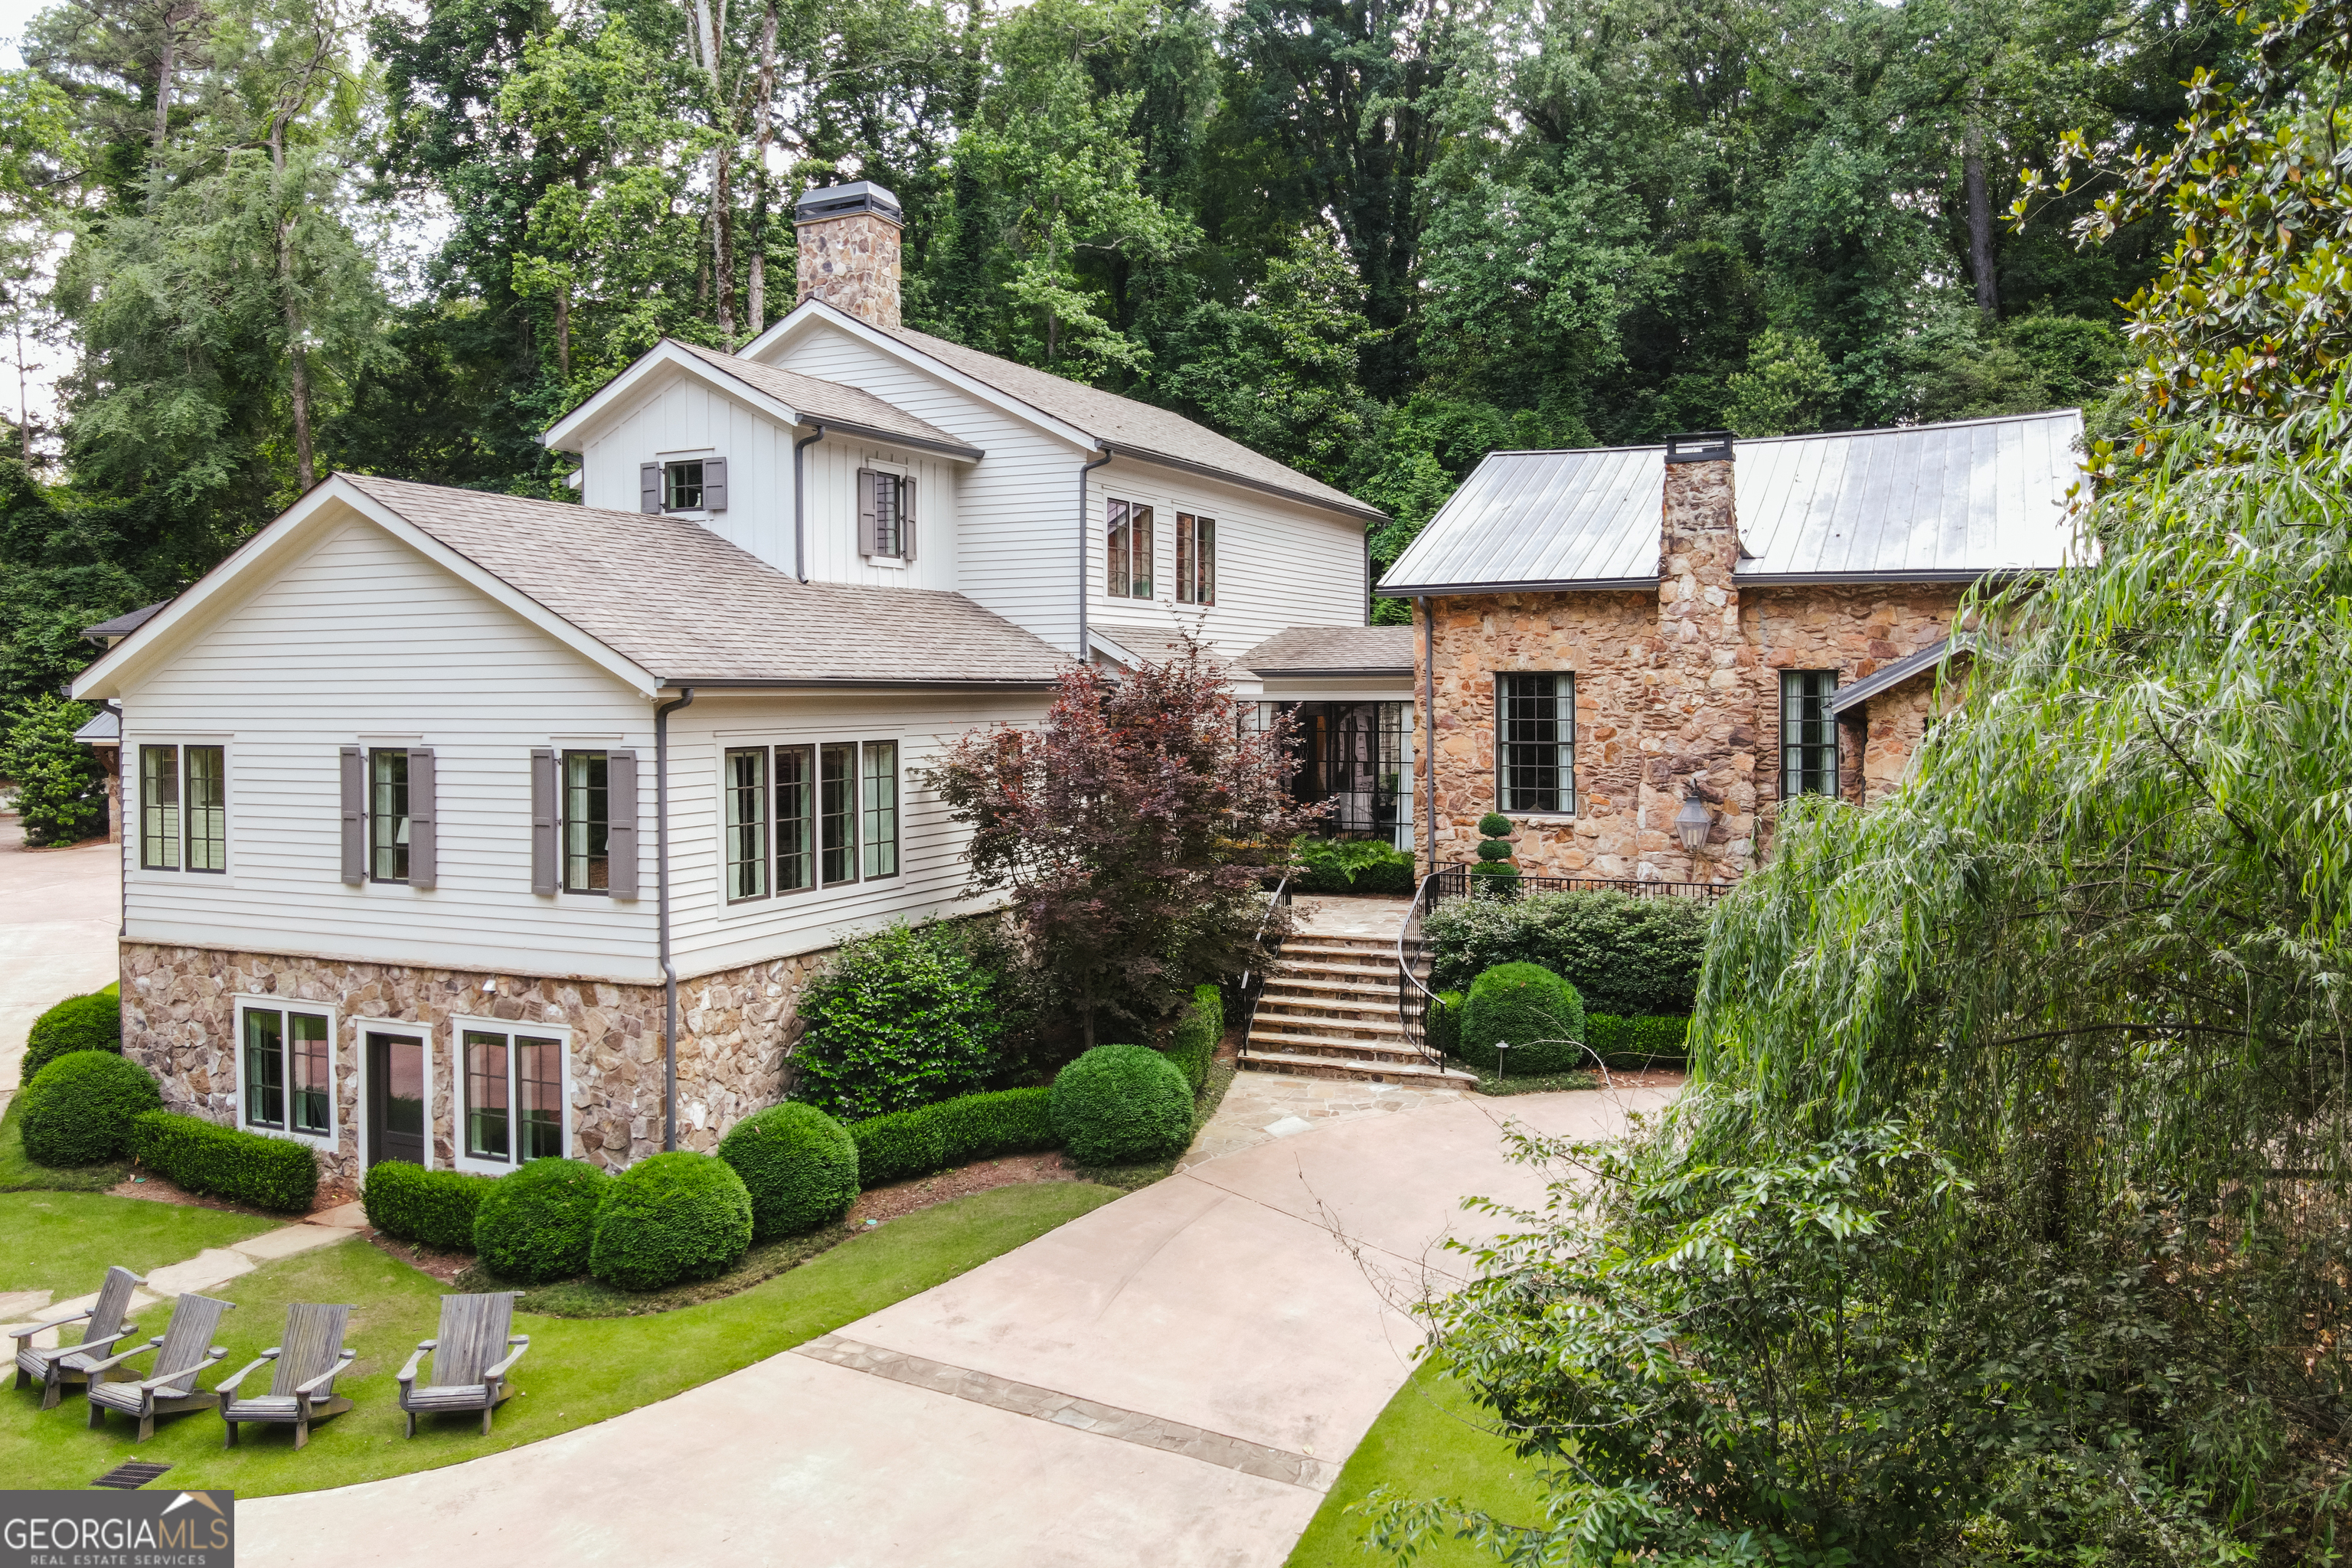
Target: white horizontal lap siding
707, 933
837, 546
363, 639
684, 417
1016, 523
1280, 564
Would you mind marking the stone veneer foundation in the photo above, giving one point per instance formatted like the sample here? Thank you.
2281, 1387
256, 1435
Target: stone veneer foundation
737, 1028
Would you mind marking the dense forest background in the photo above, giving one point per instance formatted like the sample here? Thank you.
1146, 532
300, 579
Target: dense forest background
1375, 239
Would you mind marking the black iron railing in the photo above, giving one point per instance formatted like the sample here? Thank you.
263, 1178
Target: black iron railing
1252, 980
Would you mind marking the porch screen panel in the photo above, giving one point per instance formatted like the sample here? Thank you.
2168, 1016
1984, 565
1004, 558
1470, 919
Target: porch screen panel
1809, 751
1535, 743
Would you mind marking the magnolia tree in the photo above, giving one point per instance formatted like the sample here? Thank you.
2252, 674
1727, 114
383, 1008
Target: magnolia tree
1134, 831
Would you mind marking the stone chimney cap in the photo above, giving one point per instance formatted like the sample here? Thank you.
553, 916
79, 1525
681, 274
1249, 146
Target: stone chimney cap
1699, 447
844, 201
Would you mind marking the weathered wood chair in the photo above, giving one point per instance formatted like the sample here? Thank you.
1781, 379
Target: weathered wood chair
181, 1353
62, 1364
302, 1388
474, 1329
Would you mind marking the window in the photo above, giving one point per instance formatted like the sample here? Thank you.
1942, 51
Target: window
587, 823
1535, 743
1808, 752
183, 808
881, 809
746, 823
885, 515
1196, 559
287, 1074
1130, 551
837, 813
388, 815
682, 487
795, 819
514, 1097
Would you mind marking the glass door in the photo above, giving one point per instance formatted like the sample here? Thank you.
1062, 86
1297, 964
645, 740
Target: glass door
395, 1098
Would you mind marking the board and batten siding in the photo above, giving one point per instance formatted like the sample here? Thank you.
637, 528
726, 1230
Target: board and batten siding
361, 642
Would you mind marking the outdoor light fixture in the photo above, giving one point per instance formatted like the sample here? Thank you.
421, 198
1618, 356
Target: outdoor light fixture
1693, 821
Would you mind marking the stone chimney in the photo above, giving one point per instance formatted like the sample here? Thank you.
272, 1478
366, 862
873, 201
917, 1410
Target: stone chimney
849, 250
1705, 721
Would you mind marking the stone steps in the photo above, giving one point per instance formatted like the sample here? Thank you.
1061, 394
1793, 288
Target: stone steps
1332, 1013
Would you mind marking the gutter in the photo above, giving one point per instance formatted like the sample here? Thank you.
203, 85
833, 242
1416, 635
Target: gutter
800, 507
857, 683
1429, 724
661, 870
1085, 562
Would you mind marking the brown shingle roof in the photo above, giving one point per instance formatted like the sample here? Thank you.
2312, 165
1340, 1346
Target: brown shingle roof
687, 606
830, 401
1333, 650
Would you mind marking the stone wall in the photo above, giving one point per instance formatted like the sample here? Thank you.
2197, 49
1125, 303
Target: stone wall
852, 264
736, 1032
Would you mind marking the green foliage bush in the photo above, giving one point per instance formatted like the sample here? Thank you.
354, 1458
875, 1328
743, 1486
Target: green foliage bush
61, 787
1443, 1024
897, 1019
1494, 824
1636, 1042
79, 1109
91, 1023
1537, 1013
431, 1208
673, 1216
799, 1165
1194, 1045
1120, 1105
1625, 954
1362, 865
538, 1222
908, 1144
227, 1162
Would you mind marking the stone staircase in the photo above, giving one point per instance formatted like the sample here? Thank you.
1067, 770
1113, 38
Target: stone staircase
1332, 1012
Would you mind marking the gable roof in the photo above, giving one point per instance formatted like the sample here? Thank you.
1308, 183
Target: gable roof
1333, 650
1888, 677
1947, 503
835, 404
123, 625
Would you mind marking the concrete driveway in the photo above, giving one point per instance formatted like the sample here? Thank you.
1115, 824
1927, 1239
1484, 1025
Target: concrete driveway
1175, 1377
59, 911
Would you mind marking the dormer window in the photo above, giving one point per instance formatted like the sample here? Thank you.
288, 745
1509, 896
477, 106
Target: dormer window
682, 487
683, 484
885, 515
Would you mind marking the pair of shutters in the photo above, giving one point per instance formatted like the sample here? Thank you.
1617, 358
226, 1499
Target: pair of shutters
869, 517
422, 845
546, 822
650, 476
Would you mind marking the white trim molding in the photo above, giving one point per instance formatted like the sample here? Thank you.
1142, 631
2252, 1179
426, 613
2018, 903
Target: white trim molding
510, 1030
265, 1002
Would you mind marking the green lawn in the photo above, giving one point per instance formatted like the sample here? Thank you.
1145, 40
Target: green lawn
578, 1371
1432, 1441
67, 1240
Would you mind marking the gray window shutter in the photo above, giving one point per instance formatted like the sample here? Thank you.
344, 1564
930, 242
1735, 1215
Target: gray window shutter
868, 543
542, 820
355, 816
420, 819
649, 486
906, 518
714, 484
621, 838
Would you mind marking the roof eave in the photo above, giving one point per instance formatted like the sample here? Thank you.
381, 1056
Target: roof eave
1536, 585
954, 451
1321, 503
1356, 669
850, 683
1865, 579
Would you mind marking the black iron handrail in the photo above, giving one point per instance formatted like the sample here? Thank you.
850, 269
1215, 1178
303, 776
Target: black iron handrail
1413, 997
1252, 980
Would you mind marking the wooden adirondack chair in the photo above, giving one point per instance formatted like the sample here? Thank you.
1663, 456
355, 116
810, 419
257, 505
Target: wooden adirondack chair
181, 1353
70, 1363
302, 1389
466, 1376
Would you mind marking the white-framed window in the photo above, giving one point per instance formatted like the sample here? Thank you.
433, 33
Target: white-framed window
886, 515
1535, 743
514, 1092
1196, 559
183, 808
1127, 545
815, 814
1809, 732
286, 1077
683, 481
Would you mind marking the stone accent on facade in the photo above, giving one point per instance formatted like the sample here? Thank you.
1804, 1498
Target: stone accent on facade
851, 263
736, 1030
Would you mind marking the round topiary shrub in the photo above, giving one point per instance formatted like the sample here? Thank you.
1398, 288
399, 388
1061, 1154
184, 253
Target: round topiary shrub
1120, 1105
799, 1164
1534, 1011
538, 1222
79, 1109
91, 1023
670, 1217
1494, 824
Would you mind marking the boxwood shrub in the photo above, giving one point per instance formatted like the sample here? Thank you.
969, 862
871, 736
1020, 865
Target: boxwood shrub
799, 1165
1535, 1012
1627, 955
227, 1162
91, 1023
1636, 1042
1194, 1045
431, 1208
1120, 1105
898, 1019
79, 1109
895, 1147
1442, 1022
670, 1218
908, 1144
537, 1224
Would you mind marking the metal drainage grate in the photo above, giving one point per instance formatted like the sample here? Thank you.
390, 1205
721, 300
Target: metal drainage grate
130, 1478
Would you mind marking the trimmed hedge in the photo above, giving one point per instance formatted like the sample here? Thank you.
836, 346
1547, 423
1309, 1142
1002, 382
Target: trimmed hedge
227, 1162
799, 1165
1636, 1042
79, 1109
1533, 1011
1628, 956
907, 1143
1442, 1024
91, 1023
1120, 1105
1194, 1045
431, 1208
672, 1217
537, 1224
898, 1019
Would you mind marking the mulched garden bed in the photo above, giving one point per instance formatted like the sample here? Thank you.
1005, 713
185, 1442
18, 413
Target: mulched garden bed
158, 1189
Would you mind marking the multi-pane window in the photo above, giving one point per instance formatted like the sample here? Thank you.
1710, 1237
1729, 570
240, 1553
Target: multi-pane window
795, 819
747, 822
1130, 549
1808, 752
885, 514
388, 815
183, 808
1535, 743
682, 487
587, 823
287, 1079
836, 811
881, 824
1196, 559
514, 1097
